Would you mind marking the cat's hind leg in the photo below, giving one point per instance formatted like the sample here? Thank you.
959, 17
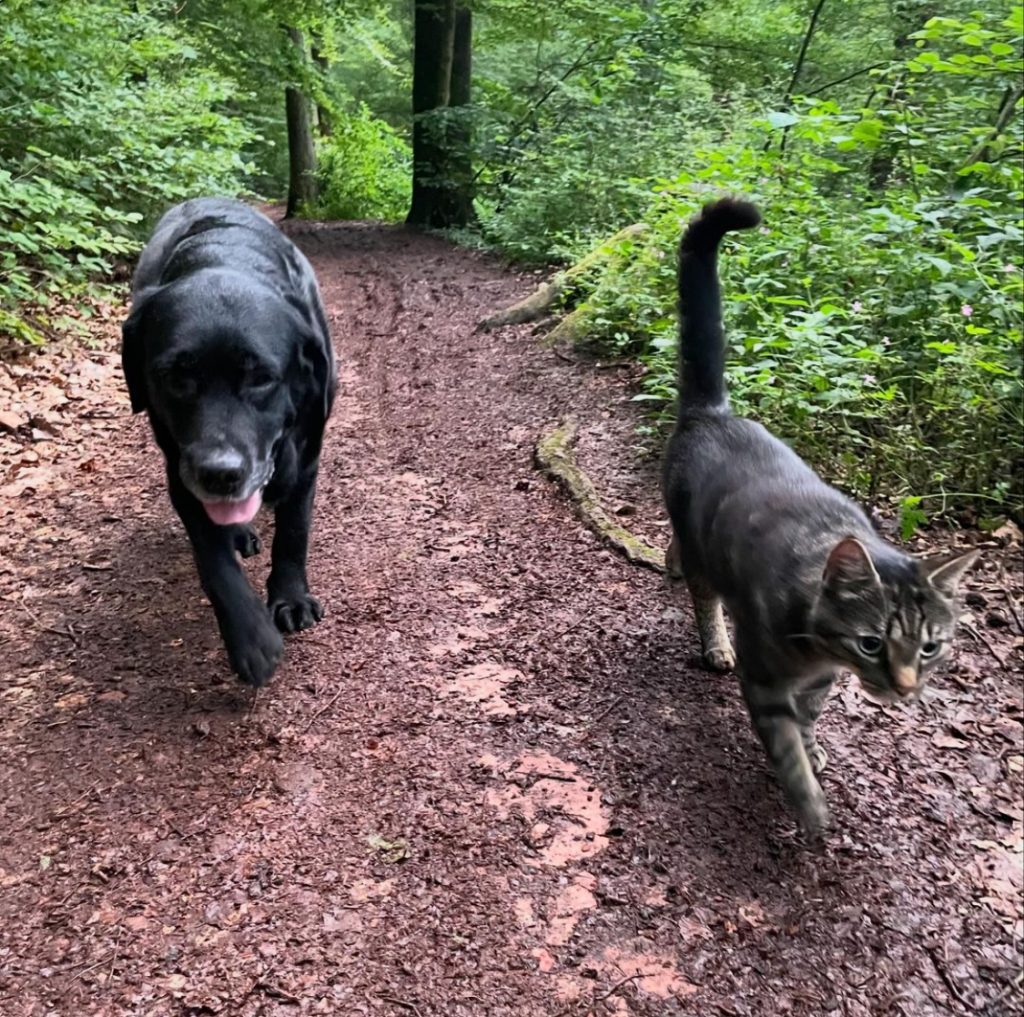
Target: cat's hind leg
707, 611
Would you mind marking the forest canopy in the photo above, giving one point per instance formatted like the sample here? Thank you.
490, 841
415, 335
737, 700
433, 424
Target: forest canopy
875, 320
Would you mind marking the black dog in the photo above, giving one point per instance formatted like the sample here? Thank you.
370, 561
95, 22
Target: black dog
228, 350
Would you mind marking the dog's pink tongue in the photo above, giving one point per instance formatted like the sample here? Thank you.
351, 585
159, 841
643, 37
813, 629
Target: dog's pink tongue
224, 513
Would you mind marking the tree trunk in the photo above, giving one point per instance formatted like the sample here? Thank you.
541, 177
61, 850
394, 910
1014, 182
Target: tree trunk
433, 52
324, 123
459, 210
302, 182
883, 160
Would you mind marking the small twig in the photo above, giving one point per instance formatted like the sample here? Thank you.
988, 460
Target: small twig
1013, 611
601, 716
594, 1003
980, 637
323, 709
1015, 984
113, 954
536, 778
66, 633
947, 979
403, 1003
65, 809
277, 992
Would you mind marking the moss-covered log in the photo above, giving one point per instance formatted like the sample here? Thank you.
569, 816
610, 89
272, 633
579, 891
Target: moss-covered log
555, 457
549, 293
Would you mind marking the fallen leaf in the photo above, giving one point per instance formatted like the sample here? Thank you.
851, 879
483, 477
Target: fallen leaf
945, 741
391, 851
1008, 532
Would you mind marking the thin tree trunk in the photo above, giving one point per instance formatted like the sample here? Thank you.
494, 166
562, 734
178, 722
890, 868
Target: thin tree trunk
302, 182
883, 161
1007, 109
433, 52
798, 67
324, 123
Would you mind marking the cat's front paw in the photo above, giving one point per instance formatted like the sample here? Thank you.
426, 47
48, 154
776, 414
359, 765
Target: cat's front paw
814, 817
720, 658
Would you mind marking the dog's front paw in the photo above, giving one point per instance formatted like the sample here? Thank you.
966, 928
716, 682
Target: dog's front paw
254, 646
247, 542
296, 611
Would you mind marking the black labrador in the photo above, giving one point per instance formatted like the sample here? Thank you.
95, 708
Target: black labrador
227, 349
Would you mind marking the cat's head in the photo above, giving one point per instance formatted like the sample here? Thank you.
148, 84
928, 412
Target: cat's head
891, 619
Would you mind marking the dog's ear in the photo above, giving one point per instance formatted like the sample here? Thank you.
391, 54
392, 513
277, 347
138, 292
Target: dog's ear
317, 362
133, 357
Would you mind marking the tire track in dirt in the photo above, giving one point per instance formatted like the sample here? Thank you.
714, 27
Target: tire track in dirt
490, 783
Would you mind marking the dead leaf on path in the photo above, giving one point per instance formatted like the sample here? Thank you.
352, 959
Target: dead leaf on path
344, 921
947, 741
175, 983
391, 851
1009, 532
10, 421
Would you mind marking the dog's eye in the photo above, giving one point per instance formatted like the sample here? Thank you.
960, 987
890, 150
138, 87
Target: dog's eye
180, 385
870, 646
262, 380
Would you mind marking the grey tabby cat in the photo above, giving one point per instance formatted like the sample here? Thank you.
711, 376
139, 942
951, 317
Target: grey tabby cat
808, 583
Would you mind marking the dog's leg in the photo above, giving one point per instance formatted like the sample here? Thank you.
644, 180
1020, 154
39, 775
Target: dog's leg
292, 606
247, 541
254, 646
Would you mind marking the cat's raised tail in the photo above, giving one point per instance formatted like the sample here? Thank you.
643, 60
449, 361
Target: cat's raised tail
701, 336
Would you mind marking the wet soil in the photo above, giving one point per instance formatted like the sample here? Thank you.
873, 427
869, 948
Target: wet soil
494, 781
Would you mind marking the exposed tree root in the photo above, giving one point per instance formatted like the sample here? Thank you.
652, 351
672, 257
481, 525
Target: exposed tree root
571, 329
555, 457
540, 302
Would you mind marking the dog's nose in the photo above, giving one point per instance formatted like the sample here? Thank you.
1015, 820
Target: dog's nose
221, 472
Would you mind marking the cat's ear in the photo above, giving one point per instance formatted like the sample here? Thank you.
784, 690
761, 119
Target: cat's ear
849, 564
945, 573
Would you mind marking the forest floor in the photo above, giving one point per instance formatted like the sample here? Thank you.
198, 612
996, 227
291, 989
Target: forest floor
494, 782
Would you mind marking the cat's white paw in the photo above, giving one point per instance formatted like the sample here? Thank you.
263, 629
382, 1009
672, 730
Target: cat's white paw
720, 658
814, 817
818, 757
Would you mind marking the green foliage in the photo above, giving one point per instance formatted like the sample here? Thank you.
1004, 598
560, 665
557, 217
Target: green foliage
877, 327
875, 321
365, 169
109, 117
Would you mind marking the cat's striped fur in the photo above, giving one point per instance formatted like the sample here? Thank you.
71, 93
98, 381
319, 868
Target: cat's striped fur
810, 586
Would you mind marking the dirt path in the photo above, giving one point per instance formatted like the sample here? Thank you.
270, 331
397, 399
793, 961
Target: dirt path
492, 782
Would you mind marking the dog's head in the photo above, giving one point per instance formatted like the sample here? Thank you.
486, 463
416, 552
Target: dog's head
225, 367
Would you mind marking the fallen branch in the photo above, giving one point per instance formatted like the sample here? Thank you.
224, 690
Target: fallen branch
538, 303
554, 456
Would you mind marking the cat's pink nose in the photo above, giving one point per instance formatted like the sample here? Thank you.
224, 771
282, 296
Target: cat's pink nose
905, 681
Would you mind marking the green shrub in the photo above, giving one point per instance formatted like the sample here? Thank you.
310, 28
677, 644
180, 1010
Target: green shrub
365, 170
109, 118
875, 324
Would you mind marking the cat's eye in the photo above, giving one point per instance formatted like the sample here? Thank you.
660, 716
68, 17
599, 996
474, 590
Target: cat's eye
929, 649
870, 646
